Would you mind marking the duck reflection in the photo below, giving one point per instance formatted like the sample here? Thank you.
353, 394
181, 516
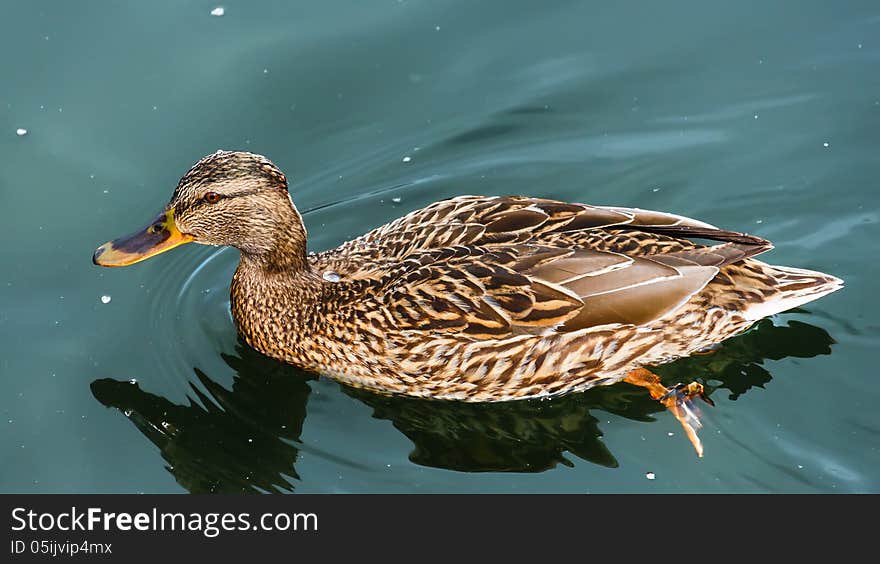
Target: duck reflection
225, 441
245, 439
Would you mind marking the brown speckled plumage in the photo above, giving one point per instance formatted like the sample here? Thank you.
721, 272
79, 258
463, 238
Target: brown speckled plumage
481, 298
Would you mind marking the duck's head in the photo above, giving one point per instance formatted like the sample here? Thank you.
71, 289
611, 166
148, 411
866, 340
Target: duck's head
227, 198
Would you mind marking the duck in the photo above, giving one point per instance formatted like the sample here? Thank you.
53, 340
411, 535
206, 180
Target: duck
476, 298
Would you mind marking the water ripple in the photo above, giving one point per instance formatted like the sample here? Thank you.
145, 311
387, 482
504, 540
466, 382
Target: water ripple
189, 314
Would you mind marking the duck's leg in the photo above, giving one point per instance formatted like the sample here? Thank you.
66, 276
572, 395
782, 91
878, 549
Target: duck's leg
677, 399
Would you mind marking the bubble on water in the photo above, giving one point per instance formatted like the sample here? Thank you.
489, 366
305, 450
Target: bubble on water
826, 144
21, 132
655, 189
218, 11
396, 199
670, 434
407, 159
331, 276
105, 299
437, 28
132, 381
650, 475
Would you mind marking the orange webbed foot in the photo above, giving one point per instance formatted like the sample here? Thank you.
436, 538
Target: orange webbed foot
679, 400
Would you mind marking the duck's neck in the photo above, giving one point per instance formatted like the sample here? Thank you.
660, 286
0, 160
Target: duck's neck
274, 302
278, 245
274, 290
279, 267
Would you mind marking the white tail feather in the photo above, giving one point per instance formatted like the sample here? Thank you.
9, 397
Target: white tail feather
796, 286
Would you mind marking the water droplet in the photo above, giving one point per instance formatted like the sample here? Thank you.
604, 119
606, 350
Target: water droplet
132, 381
218, 11
265, 71
331, 276
759, 221
650, 475
407, 159
655, 189
396, 199
756, 116
800, 466
105, 299
127, 412
250, 440
670, 434
826, 144
21, 132
437, 28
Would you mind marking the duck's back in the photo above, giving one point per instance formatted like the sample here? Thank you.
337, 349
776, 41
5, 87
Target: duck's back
536, 280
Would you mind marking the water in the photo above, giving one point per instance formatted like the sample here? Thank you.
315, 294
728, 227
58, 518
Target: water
754, 117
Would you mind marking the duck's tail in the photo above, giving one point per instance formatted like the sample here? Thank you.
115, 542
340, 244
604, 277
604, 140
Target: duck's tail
794, 287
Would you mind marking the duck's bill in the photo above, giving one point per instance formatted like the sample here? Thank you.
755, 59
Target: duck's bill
159, 236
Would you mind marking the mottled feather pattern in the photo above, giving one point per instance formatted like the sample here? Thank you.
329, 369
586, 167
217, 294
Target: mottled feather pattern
496, 298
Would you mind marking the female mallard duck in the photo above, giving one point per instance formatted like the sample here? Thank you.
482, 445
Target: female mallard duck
475, 298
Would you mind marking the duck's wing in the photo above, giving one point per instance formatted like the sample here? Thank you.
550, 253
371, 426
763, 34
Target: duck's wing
487, 292
490, 221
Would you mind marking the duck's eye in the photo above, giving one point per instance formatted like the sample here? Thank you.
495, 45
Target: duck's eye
212, 197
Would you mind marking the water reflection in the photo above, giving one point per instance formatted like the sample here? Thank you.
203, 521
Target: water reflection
226, 441
245, 439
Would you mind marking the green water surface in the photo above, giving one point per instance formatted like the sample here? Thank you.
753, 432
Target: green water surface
754, 116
